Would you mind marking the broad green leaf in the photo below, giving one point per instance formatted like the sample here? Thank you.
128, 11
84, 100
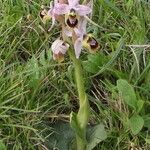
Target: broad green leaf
95, 62
62, 137
95, 136
2, 146
127, 92
147, 121
136, 123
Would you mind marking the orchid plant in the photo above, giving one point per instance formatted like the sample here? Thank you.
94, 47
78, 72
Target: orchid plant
72, 17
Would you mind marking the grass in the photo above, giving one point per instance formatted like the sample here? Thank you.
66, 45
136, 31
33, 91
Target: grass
33, 88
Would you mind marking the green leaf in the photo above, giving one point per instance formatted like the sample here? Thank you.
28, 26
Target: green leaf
140, 104
2, 146
147, 121
45, 57
62, 137
95, 136
75, 126
127, 92
136, 123
95, 62
33, 68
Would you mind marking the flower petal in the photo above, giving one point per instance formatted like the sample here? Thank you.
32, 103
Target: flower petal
58, 46
61, 9
78, 47
82, 25
72, 3
83, 10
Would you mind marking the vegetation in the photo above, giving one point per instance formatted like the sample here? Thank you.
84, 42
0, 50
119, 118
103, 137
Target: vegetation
35, 91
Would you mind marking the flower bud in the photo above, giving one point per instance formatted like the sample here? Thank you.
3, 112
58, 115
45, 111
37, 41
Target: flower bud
59, 49
44, 15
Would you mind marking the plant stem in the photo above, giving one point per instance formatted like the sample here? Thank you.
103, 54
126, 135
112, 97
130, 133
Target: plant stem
83, 113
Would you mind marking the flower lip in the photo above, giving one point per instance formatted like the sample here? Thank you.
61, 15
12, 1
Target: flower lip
93, 43
71, 18
90, 43
72, 22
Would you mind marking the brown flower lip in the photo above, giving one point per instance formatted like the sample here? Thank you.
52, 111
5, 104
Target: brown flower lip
72, 22
93, 43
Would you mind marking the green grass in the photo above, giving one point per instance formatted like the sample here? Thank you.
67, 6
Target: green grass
34, 89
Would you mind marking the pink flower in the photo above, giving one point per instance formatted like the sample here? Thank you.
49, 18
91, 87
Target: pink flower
59, 49
84, 40
73, 5
50, 14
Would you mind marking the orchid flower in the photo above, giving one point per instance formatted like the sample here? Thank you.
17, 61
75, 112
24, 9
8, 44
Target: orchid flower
59, 48
81, 10
90, 43
84, 40
72, 11
50, 14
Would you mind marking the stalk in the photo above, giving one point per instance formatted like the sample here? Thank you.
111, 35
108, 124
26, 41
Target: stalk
83, 113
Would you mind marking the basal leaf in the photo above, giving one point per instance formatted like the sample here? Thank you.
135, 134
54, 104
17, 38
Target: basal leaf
136, 123
95, 136
147, 121
127, 92
62, 136
95, 62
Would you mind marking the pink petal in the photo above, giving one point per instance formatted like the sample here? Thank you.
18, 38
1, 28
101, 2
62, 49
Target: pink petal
72, 3
78, 47
61, 9
58, 46
83, 10
82, 25
55, 2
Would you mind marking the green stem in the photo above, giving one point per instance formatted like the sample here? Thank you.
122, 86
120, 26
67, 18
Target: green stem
83, 113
